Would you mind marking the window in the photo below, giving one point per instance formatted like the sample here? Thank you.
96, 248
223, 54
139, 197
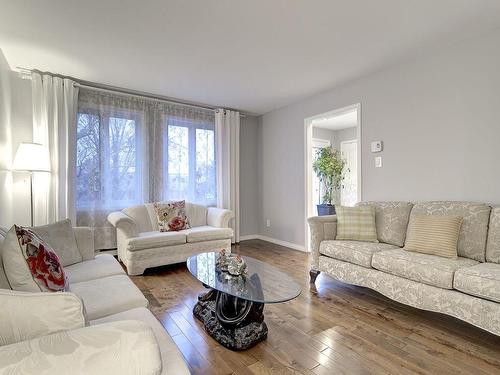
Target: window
189, 161
108, 168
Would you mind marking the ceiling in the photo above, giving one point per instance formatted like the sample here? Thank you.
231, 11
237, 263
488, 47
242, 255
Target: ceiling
252, 55
336, 122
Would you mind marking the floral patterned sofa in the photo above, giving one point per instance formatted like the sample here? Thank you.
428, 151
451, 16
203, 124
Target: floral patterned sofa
141, 245
467, 288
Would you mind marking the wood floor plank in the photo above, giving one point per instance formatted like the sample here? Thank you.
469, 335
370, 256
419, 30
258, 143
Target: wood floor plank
331, 328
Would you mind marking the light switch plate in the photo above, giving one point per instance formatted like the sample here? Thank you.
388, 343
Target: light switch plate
378, 162
376, 146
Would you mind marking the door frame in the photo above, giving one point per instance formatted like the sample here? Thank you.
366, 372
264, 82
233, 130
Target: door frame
308, 209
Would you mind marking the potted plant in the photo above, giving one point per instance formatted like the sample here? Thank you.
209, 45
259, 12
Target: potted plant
329, 168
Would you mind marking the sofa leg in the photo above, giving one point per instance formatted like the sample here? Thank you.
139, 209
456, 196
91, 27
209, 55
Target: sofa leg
313, 274
135, 271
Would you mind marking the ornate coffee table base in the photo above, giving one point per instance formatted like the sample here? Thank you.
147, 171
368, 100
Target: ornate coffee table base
233, 322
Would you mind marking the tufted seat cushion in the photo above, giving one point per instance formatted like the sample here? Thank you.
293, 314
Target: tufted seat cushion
356, 252
482, 280
424, 268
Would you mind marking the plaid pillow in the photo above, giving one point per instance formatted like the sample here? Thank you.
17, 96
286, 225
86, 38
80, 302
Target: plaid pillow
356, 223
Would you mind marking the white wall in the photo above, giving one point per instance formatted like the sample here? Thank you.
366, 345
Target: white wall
15, 127
5, 143
439, 118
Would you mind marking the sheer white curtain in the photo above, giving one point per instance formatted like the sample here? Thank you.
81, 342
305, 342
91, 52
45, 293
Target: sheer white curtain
132, 150
227, 129
54, 114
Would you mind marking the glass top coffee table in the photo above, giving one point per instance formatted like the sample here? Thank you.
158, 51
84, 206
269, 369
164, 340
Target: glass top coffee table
232, 311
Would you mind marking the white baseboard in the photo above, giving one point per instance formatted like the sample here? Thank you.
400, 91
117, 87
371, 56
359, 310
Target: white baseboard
291, 245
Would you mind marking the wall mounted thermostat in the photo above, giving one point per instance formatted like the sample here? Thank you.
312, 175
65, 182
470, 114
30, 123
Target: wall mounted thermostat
376, 146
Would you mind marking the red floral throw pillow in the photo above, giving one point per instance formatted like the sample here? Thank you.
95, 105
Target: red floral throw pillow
172, 216
42, 261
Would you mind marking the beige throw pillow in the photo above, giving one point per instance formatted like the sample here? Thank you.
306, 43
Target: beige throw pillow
356, 223
171, 216
433, 234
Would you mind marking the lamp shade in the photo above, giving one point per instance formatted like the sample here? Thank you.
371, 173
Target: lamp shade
32, 157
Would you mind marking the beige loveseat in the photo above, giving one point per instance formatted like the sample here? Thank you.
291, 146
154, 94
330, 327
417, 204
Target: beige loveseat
141, 245
101, 326
467, 288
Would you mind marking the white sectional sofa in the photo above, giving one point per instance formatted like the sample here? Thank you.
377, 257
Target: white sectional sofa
101, 326
467, 287
141, 245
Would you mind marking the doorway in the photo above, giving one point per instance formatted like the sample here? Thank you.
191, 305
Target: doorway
341, 130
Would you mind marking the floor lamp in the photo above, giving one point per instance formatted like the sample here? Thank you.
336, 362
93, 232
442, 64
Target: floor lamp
31, 157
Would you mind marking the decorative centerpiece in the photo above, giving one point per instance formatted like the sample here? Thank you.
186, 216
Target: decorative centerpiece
232, 264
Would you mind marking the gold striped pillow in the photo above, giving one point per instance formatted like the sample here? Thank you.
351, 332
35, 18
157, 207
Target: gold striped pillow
435, 235
356, 223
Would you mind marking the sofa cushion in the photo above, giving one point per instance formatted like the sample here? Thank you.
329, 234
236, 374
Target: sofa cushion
171, 357
434, 235
171, 216
196, 213
391, 220
109, 295
102, 266
482, 280
149, 240
31, 265
356, 223
207, 233
424, 268
356, 252
61, 237
472, 238
25, 315
119, 348
493, 244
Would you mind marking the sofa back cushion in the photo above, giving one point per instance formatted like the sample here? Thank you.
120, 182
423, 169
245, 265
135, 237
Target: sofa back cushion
61, 237
493, 244
143, 217
197, 214
473, 232
391, 220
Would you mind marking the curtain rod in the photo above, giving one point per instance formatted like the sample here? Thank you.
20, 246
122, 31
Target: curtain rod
138, 94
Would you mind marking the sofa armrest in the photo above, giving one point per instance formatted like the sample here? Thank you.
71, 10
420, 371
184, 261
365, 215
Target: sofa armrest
321, 228
219, 217
124, 223
85, 242
24, 316
126, 347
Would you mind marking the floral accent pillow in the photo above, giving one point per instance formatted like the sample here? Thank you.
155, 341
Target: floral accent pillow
43, 263
172, 216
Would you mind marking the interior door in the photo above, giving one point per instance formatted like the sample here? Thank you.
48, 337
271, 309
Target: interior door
349, 186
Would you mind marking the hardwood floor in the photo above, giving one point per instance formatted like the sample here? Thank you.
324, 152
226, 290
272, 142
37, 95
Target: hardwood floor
331, 328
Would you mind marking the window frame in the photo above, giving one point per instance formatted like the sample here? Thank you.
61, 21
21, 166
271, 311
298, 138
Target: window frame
192, 125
